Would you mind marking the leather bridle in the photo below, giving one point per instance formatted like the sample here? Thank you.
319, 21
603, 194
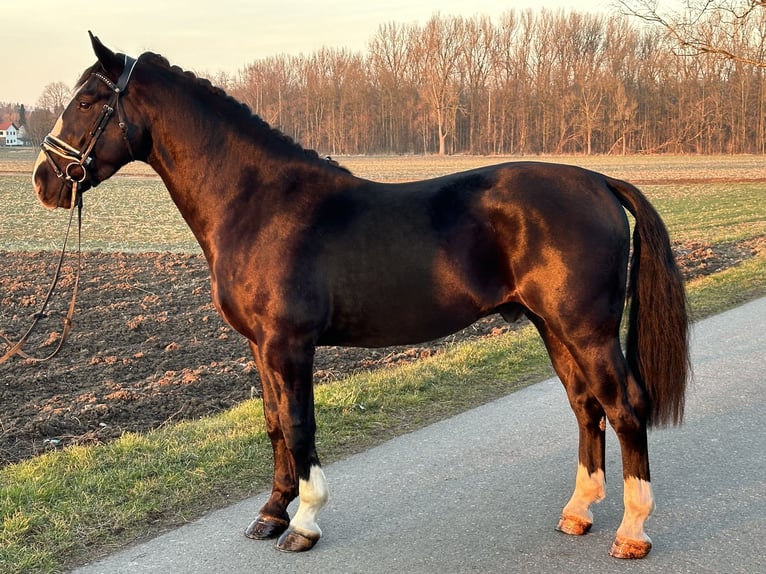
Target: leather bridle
75, 172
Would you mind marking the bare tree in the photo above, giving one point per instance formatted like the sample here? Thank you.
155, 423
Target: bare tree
391, 66
586, 49
477, 58
534, 82
39, 122
732, 29
54, 97
442, 42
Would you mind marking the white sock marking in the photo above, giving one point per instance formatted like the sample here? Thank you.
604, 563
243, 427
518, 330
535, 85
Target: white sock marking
313, 494
589, 488
639, 504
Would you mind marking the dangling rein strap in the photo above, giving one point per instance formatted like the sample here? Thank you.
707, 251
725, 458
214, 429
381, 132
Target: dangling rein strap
17, 348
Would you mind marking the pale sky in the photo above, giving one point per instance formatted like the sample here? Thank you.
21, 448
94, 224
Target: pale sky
46, 41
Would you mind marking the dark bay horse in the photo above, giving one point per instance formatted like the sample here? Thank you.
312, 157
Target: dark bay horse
302, 253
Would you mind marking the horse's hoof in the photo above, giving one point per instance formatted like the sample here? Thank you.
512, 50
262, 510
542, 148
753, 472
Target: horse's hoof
574, 525
630, 549
265, 527
294, 541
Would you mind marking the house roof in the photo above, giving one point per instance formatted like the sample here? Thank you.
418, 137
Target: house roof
5, 125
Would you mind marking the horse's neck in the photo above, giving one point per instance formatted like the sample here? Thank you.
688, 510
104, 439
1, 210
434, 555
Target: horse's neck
208, 182
194, 179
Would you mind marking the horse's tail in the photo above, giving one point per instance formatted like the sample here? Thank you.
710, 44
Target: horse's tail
657, 348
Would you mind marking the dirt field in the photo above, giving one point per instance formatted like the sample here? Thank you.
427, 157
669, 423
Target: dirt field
149, 348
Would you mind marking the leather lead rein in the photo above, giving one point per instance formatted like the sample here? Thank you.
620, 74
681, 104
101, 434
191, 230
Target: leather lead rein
17, 348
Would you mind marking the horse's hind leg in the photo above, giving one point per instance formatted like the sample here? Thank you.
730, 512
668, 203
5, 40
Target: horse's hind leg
627, 415
624, 402
576, 517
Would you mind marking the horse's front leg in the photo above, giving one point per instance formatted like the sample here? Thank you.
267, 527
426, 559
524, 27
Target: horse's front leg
273, 518
288, 400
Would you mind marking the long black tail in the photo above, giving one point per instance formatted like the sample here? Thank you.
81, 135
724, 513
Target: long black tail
657, 346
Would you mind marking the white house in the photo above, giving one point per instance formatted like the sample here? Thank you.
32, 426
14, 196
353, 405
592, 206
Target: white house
9, 134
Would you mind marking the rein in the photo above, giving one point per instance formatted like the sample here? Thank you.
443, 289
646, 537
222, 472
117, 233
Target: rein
17, 348
75, 172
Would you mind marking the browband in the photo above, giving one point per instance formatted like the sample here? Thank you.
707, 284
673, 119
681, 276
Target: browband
122, 81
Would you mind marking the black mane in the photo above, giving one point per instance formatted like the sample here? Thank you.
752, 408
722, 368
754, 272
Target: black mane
240, 113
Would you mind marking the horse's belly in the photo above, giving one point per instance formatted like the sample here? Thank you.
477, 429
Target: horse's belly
397, 324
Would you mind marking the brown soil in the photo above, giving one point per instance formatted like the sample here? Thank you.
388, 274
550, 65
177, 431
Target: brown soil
149, 348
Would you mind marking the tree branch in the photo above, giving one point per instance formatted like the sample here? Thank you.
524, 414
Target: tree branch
693, 30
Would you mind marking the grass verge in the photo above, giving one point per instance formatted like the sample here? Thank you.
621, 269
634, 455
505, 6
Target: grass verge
734, 286
64, 506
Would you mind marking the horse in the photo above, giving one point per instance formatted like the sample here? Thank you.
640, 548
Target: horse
303, 253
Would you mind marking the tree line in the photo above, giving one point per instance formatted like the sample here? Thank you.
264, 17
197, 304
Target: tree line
529, 82
532, 82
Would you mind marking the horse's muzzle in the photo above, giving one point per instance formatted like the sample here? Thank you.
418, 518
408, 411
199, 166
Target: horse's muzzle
52, 191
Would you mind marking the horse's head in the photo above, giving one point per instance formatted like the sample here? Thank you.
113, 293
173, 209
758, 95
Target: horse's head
95, 135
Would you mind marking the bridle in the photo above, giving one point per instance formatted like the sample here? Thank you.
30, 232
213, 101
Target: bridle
78, 161
76, 171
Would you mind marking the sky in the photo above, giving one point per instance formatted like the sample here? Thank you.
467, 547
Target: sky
46, 41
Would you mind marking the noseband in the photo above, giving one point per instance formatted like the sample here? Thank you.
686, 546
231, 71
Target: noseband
79, 161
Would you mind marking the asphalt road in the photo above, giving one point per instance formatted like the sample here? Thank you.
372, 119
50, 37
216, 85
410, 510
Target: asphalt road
482, 492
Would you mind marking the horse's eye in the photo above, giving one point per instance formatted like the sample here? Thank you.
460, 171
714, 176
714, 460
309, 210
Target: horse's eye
84, 106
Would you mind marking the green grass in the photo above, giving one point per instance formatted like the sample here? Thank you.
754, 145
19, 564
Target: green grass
137, 214
711, 212
123, 214
65, 505
734, 286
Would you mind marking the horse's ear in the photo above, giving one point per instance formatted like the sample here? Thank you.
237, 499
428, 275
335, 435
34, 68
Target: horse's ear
108, 60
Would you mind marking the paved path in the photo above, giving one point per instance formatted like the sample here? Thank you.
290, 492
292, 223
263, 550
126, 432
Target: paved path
481, 492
